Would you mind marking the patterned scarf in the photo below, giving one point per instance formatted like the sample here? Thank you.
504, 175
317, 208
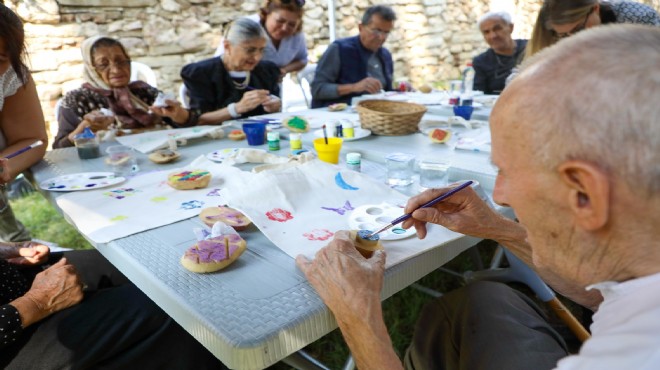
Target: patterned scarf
129, 110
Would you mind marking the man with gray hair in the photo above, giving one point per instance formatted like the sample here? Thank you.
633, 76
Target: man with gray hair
494, 65
356, 65
582, 175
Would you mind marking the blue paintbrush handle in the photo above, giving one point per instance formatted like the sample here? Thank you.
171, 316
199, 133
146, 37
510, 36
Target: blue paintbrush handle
432, 202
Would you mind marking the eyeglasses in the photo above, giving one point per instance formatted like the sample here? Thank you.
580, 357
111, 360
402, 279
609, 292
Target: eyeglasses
379, 33
117, 63
575, 29
251, 51
300, 3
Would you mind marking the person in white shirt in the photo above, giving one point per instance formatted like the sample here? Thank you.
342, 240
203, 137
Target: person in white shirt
576, 139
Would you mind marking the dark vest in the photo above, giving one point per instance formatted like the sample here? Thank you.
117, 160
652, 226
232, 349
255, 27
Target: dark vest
354, 57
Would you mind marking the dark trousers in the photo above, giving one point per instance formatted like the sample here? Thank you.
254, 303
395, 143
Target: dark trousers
115, 327
484, 326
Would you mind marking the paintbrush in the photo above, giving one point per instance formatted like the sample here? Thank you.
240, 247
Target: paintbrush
325, 135
21, 151
430, 203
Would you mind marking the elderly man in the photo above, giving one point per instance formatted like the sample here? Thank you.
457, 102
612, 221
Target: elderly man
356, 65
494, 65
589, 216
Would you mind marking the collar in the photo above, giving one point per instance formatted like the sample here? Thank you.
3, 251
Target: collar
615, 289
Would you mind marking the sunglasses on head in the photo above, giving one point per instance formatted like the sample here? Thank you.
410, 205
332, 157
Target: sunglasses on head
300, 3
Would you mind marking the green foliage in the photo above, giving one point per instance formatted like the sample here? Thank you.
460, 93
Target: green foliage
46, 223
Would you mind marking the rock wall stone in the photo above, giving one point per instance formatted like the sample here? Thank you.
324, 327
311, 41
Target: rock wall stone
431, 42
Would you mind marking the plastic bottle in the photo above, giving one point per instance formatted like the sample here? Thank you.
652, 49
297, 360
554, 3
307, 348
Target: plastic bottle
468, 79
295, 140
354, 161
273, 141
349, 130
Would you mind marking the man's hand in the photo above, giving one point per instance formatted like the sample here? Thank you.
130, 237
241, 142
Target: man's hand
30, 253
346, 281
463, 212
369, 84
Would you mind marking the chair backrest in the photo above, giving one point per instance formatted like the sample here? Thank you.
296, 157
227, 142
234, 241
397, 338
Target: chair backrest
305, 78
142, 72
183, 96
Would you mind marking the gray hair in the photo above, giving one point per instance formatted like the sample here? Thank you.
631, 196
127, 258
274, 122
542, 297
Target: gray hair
504, 16
244, 29
599, 103
383, 11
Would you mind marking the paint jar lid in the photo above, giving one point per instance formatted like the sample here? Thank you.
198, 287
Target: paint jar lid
295, 136
273, 135
353, 157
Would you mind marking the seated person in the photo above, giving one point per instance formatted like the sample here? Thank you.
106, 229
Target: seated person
588, 212
559, 19
494, 65
107, 74
356, 65
236, 84
75, 310
285, 41
21, 118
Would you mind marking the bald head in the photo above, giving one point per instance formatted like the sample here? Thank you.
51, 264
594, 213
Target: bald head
592, 97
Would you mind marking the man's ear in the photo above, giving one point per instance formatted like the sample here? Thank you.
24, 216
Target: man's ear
589, 193
227, 45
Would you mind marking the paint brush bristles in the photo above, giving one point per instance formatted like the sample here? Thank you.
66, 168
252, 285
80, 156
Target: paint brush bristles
325, 135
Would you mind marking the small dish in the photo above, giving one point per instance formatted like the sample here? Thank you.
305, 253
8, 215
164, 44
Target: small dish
81, 181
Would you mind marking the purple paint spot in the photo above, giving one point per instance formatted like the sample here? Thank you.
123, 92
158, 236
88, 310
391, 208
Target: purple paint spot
341, 210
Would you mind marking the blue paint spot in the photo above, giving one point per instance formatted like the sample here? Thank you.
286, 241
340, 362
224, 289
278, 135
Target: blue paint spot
56, 186
342, 184
364, 234
90, 185
398, 230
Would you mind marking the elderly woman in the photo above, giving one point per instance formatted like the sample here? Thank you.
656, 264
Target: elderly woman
236, 84
107, 86
561, 18
286, 47
21, 119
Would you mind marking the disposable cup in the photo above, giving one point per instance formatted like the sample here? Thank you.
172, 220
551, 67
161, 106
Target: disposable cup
255, 133
328, 152
121, 159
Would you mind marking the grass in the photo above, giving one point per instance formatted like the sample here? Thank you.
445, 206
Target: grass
400, 311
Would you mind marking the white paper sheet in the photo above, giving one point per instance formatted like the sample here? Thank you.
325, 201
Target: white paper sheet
152, 140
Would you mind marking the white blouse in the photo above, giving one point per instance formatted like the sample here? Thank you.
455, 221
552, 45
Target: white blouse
9, 84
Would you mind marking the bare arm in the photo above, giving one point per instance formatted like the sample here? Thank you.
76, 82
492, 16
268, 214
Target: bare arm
466, 213
22, 123
294, 66
351, 285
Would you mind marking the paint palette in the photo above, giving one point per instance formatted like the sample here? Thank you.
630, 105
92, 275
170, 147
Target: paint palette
81, 181
221, 154
373, 217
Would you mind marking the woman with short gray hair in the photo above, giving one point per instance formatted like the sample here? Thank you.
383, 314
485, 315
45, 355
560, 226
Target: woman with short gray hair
237, 83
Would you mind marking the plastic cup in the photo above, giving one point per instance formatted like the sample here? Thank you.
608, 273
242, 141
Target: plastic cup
464, 111
88, 148
255, 133
121, 159
433, 174
328, 152
400, 169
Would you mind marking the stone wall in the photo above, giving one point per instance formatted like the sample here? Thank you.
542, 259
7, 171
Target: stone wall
431, 42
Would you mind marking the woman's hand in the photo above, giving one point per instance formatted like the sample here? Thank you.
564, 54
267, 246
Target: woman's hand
95, 120
173, 110
274, 104
5, 174
30, 253
251, 100
54, 289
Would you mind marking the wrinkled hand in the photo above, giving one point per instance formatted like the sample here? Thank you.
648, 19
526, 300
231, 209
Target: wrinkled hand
369, 84
31, 253
346, 281
173, 110
463, 212
5, 175
56, 288
98, 121
274, 104
251, 100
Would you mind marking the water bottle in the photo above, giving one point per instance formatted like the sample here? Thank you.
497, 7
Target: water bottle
468, 79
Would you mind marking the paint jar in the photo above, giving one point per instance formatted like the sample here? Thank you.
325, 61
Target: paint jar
433, 173
464, 111
349, 129
273, 141
87, 144
400, 169
255, 133
328, 152
339, 129
354, 161
295, 140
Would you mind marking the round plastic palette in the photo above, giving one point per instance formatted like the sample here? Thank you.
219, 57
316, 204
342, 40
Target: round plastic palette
373, 217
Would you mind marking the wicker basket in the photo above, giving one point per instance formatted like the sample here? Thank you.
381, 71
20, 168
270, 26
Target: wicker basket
384, 117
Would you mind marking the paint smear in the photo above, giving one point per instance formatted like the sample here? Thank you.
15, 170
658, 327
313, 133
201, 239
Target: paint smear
318, 234
339, 180
192, 204
279, 215
118, 218
341, 210
158, 199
